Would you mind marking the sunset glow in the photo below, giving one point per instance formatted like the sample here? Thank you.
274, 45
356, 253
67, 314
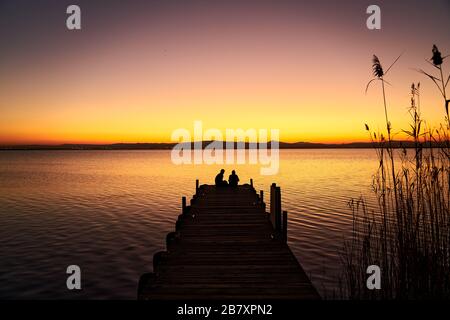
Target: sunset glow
139, 74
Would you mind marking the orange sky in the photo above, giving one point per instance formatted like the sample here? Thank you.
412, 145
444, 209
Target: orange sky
137, 79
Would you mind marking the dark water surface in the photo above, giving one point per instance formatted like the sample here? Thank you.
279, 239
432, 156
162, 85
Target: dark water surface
109, 211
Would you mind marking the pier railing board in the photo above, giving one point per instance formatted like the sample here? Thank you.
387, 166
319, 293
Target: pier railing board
224, 246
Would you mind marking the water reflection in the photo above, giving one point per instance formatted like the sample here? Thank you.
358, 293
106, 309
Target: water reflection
109, 211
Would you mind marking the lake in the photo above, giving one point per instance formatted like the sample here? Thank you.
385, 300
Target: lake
109, 212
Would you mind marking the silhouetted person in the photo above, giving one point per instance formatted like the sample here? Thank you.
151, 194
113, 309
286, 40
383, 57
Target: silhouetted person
219, 179
233, 179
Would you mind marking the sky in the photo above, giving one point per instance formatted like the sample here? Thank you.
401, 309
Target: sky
138, 70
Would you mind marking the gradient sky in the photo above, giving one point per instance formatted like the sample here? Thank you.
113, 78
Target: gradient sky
140, 69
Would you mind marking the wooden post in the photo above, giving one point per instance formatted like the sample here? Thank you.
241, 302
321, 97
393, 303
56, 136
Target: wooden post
261, 196
278, 209
251, 182
183, 205
285, 223
171, 239
273, 188
196, 186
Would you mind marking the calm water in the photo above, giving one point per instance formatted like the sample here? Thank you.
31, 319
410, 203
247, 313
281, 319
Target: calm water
109, 211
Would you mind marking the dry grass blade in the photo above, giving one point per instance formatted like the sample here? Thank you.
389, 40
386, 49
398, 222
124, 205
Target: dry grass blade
368, 84
432, 64
409, 133
435, 80
393, 63
387, 82
427, 74
375, 79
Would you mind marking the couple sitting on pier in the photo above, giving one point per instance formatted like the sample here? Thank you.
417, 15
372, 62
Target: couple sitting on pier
233, 179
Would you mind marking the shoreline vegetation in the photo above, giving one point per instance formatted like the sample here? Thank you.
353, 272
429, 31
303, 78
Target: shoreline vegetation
407, 234
401, 144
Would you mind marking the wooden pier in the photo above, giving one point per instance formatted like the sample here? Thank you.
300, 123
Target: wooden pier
226, 246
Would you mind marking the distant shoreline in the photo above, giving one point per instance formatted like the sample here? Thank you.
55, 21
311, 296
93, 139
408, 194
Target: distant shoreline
169, 146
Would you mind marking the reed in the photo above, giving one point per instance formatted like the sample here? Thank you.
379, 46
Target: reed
407, 233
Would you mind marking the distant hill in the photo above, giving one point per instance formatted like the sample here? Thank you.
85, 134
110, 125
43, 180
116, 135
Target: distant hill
168, 146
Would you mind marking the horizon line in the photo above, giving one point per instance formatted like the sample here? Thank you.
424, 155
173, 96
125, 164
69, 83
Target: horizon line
166, 145
56, 144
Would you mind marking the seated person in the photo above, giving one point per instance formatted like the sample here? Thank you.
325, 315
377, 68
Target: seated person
219, 179
233, 179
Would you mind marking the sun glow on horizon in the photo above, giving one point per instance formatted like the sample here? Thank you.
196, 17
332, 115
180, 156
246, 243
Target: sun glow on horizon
297, 68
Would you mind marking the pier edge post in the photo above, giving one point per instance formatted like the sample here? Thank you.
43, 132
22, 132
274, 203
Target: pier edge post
272, 204
183, 205
145, 280
278, 209
285, 223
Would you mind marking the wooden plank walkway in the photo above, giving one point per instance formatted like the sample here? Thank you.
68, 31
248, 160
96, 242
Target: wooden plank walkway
226, 246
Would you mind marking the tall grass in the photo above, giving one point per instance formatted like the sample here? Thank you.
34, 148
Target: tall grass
407, 234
